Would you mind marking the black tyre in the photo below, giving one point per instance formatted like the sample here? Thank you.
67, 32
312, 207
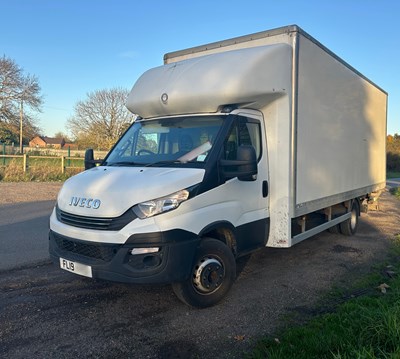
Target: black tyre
334, 230
349, 227
213, 273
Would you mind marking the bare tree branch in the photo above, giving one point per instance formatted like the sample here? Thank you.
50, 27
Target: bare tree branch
101, 118
15, 87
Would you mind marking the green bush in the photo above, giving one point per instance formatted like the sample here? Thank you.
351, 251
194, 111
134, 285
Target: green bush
393, 153
393, 162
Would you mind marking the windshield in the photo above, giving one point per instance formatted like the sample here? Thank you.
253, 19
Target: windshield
167, 141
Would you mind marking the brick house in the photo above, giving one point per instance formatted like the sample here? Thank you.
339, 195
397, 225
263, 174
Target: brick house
43, 141
72, 146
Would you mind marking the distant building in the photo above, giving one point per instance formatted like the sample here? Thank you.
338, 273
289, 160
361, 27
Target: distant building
71, 146
43, 141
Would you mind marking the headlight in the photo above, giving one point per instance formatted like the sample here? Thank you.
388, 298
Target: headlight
160, 205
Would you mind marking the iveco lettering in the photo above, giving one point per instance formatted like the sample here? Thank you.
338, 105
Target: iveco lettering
262, 140
85, 202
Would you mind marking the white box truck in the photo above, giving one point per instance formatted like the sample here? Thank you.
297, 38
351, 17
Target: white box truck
261, 140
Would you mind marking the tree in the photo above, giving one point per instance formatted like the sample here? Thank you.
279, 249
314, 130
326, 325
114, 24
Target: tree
101, 119
18, 90
393, 153
61, 134
7, 135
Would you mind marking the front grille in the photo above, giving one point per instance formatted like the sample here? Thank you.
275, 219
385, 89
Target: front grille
98, 223
104, 252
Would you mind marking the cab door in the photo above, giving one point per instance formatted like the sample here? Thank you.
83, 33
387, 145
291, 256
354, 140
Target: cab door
252, 226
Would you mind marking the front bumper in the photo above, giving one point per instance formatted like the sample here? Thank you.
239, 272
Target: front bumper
114, 262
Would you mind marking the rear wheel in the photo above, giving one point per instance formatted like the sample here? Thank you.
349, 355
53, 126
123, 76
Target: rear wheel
349, 226
212, 275
334, 230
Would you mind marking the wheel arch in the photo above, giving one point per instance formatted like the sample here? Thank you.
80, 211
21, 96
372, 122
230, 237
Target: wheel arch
223, 231
349, 205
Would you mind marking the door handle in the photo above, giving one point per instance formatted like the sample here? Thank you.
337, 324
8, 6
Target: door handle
265, 189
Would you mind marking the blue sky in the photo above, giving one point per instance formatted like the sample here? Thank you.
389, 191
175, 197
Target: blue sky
78, 46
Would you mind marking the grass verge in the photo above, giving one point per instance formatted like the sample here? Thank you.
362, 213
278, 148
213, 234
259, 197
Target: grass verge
392, 175
367, 326
44, 173
395, 192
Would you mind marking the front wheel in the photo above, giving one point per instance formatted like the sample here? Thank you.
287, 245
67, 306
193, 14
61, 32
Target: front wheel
212, 275
349, 226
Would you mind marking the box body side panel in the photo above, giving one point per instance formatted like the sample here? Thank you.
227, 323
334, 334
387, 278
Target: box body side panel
341, 128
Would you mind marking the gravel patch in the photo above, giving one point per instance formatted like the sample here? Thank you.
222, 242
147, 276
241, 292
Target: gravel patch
16, 192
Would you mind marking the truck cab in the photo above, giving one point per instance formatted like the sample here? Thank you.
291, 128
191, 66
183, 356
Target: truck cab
176, 200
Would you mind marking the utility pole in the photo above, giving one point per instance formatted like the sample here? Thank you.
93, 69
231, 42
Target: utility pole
21, 117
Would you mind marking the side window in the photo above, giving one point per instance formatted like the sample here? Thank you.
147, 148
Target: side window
243, 132
254, 133
147, 143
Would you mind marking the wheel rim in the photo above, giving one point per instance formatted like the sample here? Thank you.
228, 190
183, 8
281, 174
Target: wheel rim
208, 275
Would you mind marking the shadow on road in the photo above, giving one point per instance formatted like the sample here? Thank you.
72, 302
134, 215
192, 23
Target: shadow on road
24, 233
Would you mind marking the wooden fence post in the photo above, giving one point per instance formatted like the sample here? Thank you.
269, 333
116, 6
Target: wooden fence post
25, 162
4, 153
62, 164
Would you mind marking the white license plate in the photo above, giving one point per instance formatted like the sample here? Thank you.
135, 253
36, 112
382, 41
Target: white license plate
75, 267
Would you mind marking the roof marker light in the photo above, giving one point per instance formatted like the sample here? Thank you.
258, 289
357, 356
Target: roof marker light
164, 98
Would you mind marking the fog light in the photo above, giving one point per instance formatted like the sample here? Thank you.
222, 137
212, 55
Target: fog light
144, 250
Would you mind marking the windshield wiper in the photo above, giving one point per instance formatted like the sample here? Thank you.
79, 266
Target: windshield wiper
165, 162
124, 163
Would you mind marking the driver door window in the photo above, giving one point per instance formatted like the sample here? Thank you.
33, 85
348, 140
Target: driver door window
244, 132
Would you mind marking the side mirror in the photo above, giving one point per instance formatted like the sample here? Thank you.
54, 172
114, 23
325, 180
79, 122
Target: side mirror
244, 167
89, 159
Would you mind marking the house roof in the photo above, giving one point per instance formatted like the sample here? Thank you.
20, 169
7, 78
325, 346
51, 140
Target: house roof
52, 141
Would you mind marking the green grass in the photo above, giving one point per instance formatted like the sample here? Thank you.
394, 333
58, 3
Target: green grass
395, 192
363, 327
392, 175
39, 170
367, 326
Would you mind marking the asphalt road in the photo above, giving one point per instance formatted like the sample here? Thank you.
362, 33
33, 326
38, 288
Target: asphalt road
24, 233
